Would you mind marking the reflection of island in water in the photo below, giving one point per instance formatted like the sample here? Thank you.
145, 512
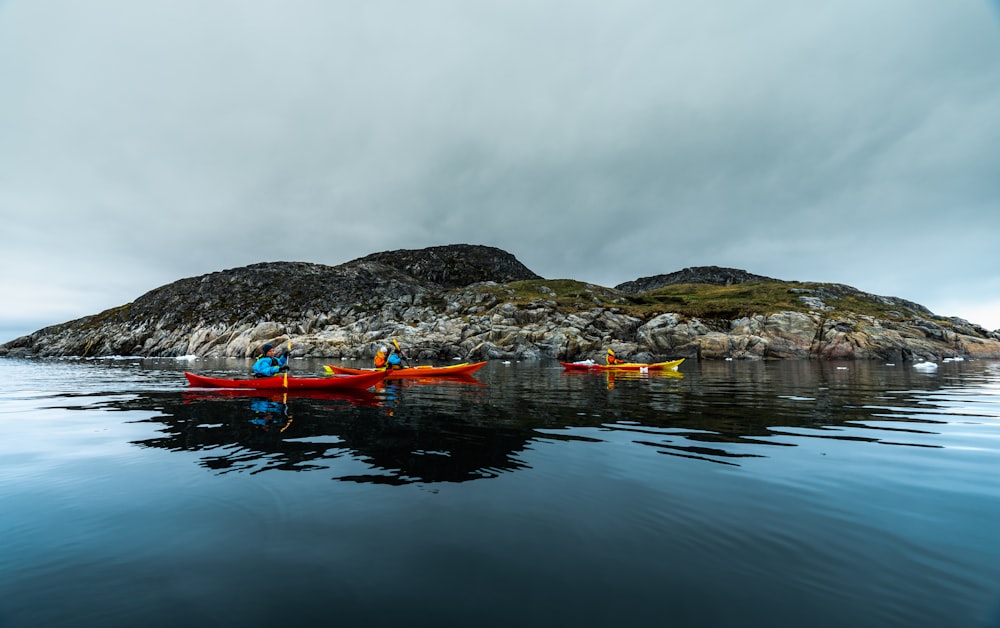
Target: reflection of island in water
296, 431
453, 431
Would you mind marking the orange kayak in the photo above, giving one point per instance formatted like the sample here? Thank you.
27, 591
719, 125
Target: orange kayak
465, 368
590, 365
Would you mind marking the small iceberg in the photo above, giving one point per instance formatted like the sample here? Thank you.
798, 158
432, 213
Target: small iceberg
925, 366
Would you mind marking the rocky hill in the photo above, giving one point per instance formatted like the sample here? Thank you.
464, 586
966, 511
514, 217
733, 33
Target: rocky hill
455, 266
712, 275
478, 302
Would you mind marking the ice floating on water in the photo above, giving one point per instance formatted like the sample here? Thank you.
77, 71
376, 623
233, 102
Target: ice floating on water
188, 358
925, 366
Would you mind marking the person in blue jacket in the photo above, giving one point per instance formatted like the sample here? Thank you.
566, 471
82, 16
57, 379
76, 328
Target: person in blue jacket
268, 365
394, 361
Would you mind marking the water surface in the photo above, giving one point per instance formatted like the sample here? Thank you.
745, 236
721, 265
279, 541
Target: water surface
731, 494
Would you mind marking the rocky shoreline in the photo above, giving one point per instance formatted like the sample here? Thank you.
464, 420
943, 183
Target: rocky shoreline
473, 302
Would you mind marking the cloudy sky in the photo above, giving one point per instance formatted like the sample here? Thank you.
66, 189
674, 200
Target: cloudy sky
855, 142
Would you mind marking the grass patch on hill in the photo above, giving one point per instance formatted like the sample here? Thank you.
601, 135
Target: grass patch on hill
725, 302
569, 295
703, 301
763, 298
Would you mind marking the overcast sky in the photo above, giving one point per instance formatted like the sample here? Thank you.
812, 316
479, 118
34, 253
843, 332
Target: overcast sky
855, 142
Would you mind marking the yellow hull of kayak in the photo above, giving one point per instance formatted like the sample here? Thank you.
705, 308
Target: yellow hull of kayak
628, 366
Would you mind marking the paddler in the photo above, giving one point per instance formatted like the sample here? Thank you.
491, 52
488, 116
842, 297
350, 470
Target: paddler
394, 360
268, 365
612, 359
381, 358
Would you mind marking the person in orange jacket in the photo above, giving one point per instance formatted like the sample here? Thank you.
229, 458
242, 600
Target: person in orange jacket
381, 358
612, 359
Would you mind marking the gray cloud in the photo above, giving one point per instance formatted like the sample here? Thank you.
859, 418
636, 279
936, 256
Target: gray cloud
151, 141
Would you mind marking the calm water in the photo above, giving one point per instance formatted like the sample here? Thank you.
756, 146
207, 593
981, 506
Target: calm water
778, 494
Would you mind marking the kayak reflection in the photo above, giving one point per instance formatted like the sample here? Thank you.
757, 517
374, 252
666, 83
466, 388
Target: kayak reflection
269, 414
612, 377
345, 397
404, 432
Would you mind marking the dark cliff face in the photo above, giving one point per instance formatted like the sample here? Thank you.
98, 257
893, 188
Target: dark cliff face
273, 290
455, 265
713, 275
269, 291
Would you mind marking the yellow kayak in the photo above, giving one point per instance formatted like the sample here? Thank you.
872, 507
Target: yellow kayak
590, 365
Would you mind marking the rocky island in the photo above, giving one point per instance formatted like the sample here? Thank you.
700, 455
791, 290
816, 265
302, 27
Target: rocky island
477, 302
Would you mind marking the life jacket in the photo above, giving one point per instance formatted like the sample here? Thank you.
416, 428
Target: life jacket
258, 364
380, 360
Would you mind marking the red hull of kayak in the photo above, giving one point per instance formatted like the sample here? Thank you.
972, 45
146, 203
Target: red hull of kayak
282, 382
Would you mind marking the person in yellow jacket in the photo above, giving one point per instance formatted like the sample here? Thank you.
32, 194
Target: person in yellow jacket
612, 359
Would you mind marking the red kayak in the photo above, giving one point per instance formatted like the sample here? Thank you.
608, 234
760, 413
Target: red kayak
287, 382
412, 371
590, 365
